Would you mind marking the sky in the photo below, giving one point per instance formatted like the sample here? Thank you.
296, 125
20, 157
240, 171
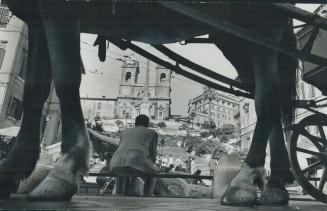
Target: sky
102, 78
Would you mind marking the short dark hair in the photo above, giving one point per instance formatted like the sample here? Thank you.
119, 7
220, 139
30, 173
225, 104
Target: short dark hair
142, 120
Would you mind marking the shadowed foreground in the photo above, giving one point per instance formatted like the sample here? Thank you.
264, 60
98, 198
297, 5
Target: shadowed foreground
117, 203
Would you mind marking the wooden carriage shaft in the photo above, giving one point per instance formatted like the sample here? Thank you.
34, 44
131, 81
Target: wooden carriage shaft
185, 62
243, 33
302, 15
125, 44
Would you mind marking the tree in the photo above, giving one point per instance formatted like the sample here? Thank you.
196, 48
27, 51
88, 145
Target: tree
224, 133
209, 125
151, 124
119, 123
191, 117
162, 125
97, 118
183, 127
218, 152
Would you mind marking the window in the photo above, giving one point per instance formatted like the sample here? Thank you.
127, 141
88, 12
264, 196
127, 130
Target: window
128, 77
99, 106
162, 78
4, 16
15, 108
2, 55
23, 66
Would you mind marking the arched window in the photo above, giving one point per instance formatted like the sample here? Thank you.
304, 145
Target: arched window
162, 78
141, 94
128, 76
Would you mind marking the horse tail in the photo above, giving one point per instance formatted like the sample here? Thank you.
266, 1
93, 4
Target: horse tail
287, 68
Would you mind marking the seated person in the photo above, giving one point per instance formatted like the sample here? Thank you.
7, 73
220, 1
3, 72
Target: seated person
169, 169
197, 180
135, 156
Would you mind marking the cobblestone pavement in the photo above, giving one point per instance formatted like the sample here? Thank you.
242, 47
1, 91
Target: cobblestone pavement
117, 203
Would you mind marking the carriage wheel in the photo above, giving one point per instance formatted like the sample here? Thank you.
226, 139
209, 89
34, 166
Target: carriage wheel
308, 155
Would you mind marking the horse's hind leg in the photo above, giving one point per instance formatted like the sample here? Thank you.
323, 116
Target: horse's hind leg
63, 36
22, 158
267, 101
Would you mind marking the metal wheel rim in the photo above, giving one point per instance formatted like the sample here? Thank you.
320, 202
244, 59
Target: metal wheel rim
295, 165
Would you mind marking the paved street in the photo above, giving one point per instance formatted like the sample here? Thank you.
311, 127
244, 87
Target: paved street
116, 203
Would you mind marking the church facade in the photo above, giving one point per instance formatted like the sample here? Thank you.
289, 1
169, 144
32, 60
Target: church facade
149, 97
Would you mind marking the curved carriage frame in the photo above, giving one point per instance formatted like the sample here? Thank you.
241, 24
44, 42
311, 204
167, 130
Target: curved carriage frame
313, 176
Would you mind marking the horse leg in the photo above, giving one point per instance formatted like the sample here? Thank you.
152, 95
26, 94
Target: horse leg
24, 154
63, 37
275, 192
242, 190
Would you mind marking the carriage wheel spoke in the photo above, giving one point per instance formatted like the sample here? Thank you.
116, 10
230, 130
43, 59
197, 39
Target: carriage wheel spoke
323, 179
314, 139
310, 178
322, 134
318, 154
312, 166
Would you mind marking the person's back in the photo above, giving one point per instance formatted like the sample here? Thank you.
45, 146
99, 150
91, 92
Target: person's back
138, 138
212, 164
136, 147
135, 156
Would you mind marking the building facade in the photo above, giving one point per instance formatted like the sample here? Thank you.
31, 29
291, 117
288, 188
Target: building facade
248, 120
103, 108
51, 120
13, 59
215, 106
151, 97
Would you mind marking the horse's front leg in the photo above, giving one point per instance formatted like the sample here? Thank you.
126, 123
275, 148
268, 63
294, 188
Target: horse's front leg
63, 36
22, 158
275, 192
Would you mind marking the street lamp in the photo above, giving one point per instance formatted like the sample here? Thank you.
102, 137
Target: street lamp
126, 116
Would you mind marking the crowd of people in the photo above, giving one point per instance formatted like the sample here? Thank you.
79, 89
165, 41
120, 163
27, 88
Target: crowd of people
169, 164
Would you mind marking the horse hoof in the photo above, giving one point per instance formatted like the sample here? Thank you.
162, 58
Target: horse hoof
53, 189
243, 188
236, 196
274, 196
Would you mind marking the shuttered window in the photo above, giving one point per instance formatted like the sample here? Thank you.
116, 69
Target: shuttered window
2, 55
15, 108
4, 16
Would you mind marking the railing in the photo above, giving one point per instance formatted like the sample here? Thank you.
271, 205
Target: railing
87, 186
160, 175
